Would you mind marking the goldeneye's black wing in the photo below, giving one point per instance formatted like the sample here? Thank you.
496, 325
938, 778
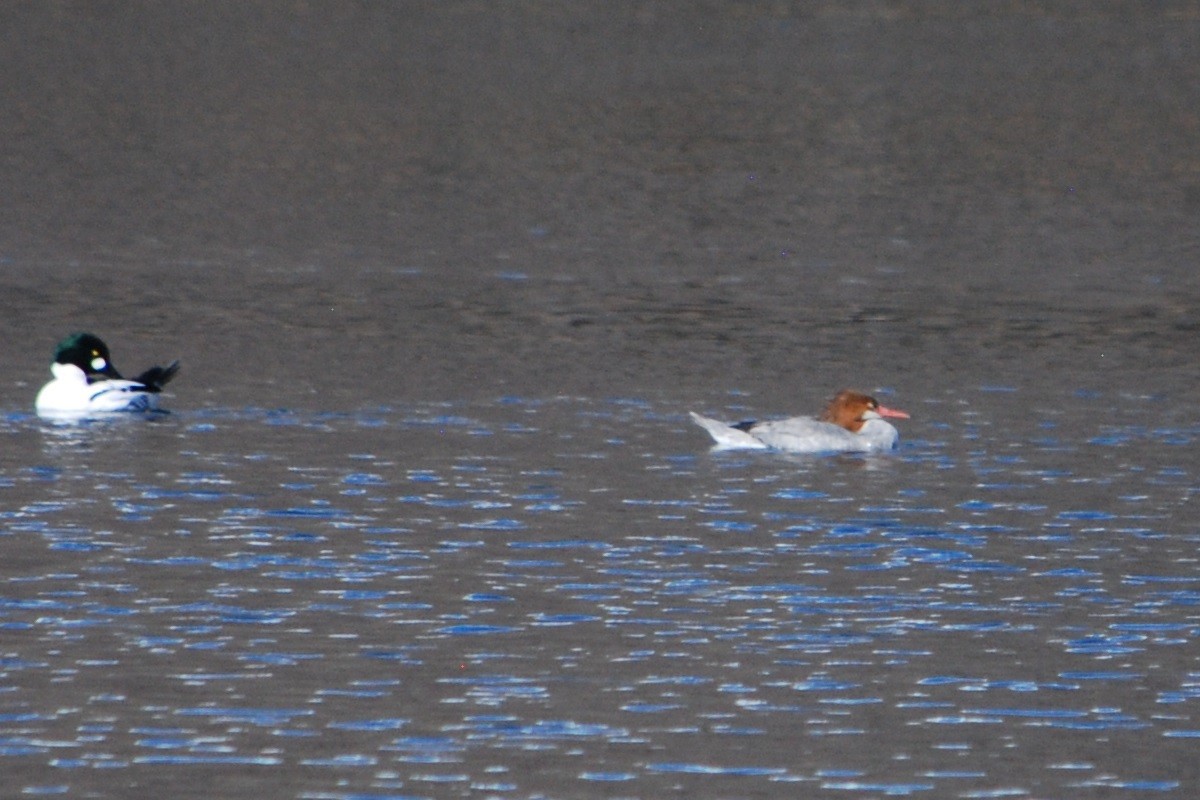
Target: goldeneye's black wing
155, 378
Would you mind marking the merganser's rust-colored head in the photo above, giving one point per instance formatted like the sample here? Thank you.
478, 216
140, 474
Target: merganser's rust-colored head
848, 408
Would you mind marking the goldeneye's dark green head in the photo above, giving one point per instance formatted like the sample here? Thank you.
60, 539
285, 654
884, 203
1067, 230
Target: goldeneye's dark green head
89, 353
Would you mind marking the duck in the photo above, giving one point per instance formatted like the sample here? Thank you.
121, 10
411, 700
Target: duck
852, 422
86, 382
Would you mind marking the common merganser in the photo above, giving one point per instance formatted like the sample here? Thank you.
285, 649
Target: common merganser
86, 382
852, 422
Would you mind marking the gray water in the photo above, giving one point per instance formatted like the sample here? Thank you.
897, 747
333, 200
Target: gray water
427, 517
572, 597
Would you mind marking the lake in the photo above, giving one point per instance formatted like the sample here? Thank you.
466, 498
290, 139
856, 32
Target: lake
427, 517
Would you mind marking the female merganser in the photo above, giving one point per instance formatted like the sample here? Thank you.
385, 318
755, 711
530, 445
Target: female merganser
86, 382
852, 422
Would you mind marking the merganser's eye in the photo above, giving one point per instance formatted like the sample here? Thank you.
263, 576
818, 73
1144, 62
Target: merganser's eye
98, 363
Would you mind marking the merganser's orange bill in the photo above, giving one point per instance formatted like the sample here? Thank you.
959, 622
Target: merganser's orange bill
884, 411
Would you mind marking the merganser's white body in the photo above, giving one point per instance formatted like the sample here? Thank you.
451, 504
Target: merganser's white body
852, 423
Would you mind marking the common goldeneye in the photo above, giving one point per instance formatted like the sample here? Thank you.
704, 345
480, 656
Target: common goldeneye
852, 422
86, 382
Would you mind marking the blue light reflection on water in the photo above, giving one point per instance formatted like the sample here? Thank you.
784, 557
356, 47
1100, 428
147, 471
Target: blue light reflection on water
363, 595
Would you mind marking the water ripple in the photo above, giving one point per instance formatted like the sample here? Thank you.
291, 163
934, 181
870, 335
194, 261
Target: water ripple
572, 597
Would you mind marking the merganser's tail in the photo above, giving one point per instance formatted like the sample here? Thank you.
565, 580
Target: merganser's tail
727, 436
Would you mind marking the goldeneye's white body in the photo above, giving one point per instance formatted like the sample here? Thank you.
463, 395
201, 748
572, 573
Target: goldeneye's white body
86, 383
70, 393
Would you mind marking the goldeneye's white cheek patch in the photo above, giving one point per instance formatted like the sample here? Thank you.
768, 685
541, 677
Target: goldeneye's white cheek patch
98, 363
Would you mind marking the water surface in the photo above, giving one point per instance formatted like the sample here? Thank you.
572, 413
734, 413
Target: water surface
428, 518
574, 597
